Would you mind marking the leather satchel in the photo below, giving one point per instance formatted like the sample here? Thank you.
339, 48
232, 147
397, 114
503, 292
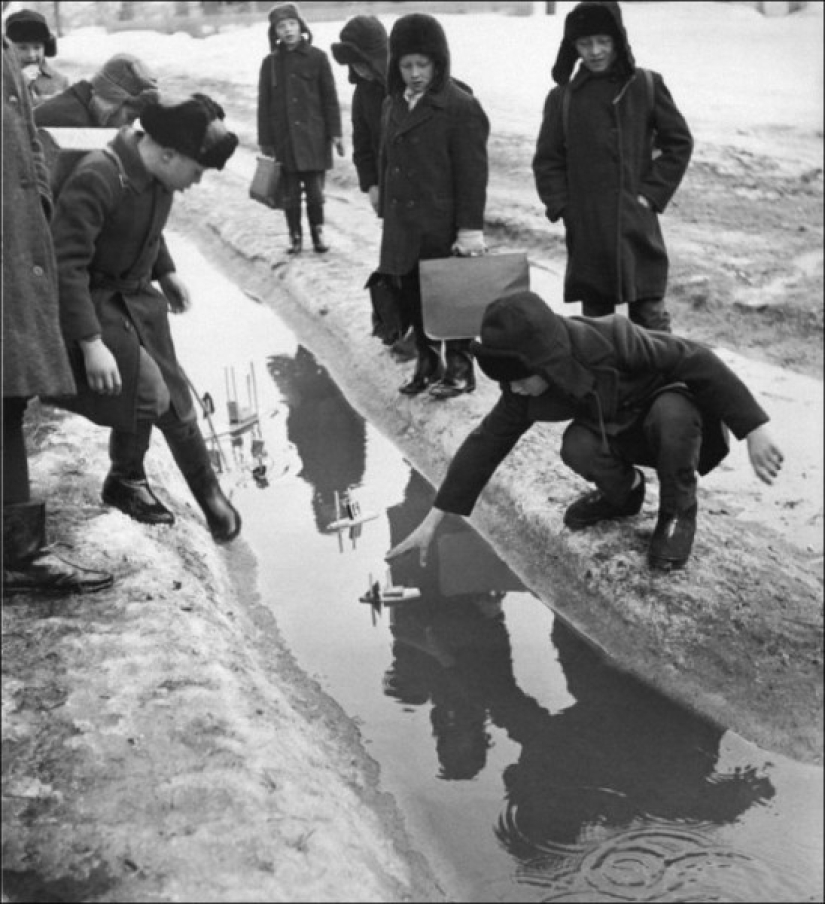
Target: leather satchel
265, 187
455, 291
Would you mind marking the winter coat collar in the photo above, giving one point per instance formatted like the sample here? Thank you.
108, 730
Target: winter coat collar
125, 145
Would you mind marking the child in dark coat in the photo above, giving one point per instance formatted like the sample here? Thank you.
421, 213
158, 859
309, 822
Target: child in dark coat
299, 120
33, 41
633, 396
611, 152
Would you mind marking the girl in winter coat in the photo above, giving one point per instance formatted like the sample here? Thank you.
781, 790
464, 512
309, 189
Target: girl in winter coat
611, 152
298, 120
433, 186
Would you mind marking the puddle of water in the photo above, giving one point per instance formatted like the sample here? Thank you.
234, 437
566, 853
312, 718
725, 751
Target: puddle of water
528, 769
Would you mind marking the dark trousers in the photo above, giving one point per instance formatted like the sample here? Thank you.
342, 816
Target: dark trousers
311, 185
16, 485
668, 438
647, 312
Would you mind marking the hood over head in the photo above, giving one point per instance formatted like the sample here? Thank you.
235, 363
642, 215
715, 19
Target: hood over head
29, 27
282, 11
522, 337
124, 77
363, 40
423, 34
592, 17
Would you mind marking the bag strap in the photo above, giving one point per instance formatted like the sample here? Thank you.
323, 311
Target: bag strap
112, 154
647, 74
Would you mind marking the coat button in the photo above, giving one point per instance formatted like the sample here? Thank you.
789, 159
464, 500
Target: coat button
37, 270
127, 325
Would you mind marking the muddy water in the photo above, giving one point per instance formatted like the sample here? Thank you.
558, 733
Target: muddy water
528, 768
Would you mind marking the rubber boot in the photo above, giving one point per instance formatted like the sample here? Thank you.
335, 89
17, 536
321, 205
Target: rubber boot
189, 450
428, 366
29, 566
459, 375
315, 215
296, 235
126, 487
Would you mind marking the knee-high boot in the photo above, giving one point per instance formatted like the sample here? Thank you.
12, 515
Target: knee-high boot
315, 215
126, 486
188, 448
296, 235
459, 375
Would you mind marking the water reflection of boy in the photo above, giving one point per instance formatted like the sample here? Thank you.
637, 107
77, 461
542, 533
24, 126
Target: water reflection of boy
330, 437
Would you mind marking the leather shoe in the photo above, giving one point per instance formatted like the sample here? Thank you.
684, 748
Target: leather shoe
47, 573
672, 540
450, 387
593, 507
135, 499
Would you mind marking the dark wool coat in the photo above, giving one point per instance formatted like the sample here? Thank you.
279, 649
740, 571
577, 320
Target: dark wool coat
298, 111
617, 147
34, 357
48, 83
367, 100
603, 374
433, 175
109, 245
68, 110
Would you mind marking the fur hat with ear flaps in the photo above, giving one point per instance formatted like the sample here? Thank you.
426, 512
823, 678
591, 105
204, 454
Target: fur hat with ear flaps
423, 34
593, 17
282, 11
28, 27
194, 128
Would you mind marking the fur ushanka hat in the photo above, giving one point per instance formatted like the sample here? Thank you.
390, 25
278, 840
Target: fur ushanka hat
592, 17
282, 11
363, 40
189, 128
28, 27
418, 33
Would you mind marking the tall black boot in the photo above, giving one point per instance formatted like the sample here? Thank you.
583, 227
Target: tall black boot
29, 566
428, 366
459, 375
126, 486
315, 215
189, 450
296, 235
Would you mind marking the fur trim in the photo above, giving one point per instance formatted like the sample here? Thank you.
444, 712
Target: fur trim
418, 33
605, 16
28, 26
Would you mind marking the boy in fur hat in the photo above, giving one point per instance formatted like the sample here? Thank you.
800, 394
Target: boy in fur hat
611, 152
108, 237
33, 41
299, 120
115, 96
633, 396
433, 187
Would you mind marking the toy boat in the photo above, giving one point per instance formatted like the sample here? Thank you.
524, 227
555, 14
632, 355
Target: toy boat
388, 595
349, 514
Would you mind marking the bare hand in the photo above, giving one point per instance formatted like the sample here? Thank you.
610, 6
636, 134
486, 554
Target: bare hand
419, 539
375, 199
174, 288
102, 371
766, 457
339, 146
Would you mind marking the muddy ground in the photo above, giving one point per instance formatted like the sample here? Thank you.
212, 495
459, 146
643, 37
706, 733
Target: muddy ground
154, 747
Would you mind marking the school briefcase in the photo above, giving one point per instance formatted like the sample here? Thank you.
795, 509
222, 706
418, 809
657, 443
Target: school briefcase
456, 290
265, 187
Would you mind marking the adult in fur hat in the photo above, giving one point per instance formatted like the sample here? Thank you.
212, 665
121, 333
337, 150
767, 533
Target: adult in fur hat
108, 235
34, 357
299, 120
33, 41
115, 96
633, 397
611, 152
433, 187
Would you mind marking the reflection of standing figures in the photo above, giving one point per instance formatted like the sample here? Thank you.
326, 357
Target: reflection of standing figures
330, 437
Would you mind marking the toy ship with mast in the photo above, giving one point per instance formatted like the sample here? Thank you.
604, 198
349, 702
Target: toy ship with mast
348, 513
388, 595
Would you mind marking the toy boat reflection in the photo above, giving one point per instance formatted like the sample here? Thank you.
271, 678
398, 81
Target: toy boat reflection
348, 514
388, 595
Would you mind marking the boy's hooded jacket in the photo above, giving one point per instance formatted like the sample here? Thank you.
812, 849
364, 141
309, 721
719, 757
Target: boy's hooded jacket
364, 40
603, 374
434, 165
298, 111
591, 164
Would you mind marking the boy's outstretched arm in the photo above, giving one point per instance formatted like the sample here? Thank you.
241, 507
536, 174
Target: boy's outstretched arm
766, 457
